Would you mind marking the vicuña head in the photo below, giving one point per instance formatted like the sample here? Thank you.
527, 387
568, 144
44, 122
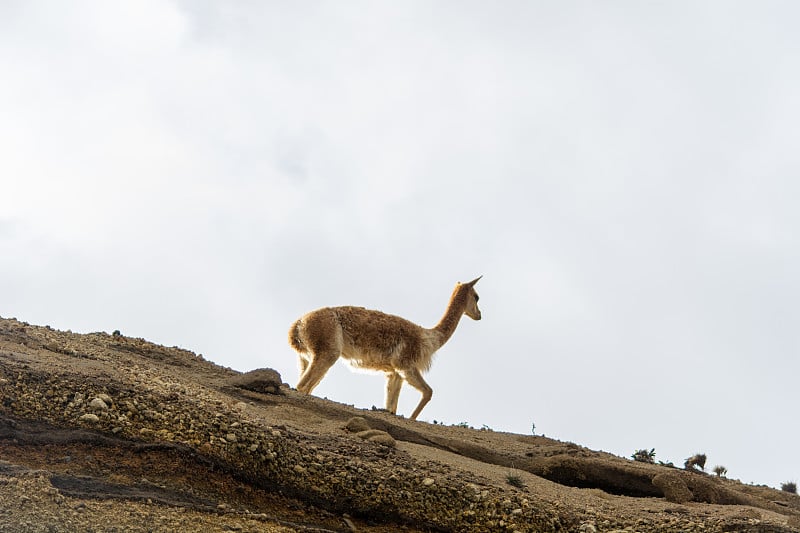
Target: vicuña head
377, 341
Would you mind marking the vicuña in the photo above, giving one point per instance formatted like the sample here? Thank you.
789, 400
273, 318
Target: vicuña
377, 341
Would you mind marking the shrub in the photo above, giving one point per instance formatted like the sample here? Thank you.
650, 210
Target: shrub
515, 480
698, 459
789, 486
643, 456
720, 470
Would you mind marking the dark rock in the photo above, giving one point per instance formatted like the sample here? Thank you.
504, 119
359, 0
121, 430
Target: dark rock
264, 380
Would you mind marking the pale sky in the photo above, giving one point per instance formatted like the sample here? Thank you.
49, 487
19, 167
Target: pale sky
623, 174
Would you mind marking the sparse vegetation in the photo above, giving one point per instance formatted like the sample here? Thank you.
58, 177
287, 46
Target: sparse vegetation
533, 428
644, 456
698, 459
789, 486
463, 425
515, 480
720, 470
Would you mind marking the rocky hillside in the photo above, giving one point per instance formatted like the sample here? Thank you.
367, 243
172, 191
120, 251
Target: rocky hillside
103, 432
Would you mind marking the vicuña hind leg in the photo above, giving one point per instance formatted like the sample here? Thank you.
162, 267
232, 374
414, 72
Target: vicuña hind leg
414, 378
393, 383
312, 375
303, 364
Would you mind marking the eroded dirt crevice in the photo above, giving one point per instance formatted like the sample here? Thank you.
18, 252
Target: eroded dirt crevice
91, 487
589, 474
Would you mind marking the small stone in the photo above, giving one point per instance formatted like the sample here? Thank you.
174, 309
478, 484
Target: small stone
300, 469
357, 424
383, 439
428, 481
377, 436
263, 380
231, 437
253, 447
90, 417
106, 398
98, 405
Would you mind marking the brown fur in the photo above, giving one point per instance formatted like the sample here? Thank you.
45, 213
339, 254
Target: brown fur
377, 341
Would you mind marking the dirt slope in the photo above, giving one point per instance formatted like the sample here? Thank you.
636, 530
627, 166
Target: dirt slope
102, 432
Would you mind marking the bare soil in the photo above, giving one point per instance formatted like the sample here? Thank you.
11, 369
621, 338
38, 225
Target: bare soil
104, 432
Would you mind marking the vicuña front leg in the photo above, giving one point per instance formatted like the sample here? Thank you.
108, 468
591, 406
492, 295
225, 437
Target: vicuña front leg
393, 383
414, 378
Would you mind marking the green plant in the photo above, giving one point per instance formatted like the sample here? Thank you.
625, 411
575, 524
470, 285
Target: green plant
644, 456
720, 470
789, 486
515, 480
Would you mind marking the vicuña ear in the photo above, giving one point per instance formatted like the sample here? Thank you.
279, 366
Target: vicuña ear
474, 281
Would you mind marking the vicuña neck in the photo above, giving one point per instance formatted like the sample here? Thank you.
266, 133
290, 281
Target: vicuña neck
447, 325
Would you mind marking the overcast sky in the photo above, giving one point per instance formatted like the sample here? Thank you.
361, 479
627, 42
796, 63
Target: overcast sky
623, 174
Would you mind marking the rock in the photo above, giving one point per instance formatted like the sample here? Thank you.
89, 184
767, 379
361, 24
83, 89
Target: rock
106, 398
263, 380
428, 481
673, 487
384, 439
89, 417
377, 436
98, 404
357, 424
